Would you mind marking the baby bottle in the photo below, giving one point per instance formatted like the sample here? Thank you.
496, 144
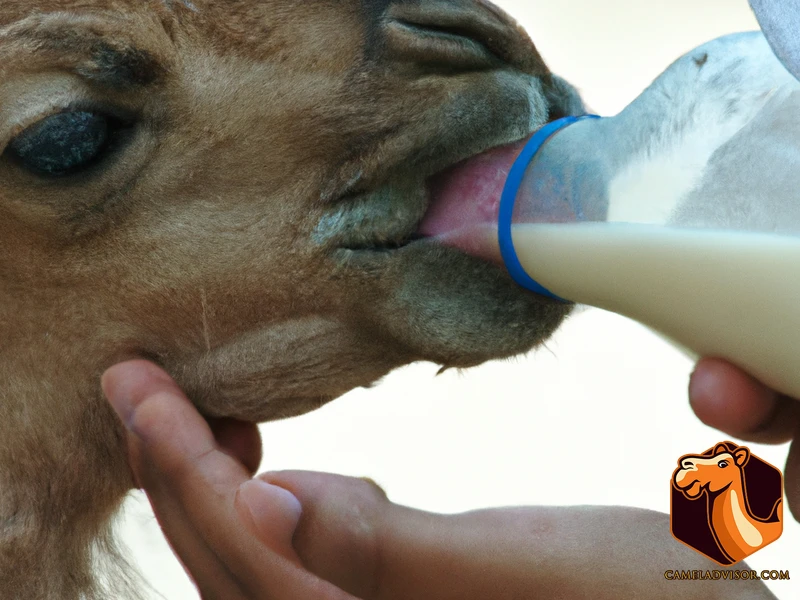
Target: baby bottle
682, 212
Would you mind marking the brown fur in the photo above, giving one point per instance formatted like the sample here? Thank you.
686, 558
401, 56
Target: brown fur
273, 140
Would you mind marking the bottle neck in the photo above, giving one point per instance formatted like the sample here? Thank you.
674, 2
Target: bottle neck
568, 179
610, 169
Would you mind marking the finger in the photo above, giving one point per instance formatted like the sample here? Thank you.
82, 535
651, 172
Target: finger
130, 385
337, 537
726, 398
176, 436
160, 466
199, 494
209, 574
178, 454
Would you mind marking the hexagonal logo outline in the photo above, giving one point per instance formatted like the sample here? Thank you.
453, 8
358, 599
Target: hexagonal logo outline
726, 503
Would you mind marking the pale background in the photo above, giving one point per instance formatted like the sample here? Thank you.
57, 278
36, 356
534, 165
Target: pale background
604, 388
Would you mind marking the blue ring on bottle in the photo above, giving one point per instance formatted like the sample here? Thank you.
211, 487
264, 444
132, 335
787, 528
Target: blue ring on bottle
509, 198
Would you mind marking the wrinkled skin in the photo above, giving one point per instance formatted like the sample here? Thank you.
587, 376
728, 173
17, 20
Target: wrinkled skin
250, 228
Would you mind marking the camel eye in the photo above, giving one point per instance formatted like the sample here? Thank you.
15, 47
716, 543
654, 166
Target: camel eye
65, 143
722, 464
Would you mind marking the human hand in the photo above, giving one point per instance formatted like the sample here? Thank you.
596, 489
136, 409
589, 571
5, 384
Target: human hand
316, 536
728, 399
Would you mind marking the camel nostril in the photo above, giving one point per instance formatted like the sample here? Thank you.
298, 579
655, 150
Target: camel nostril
687, 464
460, 35
454, 31
440, 46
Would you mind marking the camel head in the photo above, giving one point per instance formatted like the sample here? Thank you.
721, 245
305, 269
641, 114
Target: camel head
233, 191
712, 473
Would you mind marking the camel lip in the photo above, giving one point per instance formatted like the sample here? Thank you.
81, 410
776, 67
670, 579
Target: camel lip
386, 247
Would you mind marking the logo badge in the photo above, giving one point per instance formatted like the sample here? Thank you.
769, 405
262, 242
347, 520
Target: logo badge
726, 503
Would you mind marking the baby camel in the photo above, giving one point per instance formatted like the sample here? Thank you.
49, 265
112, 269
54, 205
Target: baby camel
231, 189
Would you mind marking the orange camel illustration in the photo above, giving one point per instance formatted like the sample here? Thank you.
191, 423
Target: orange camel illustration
720, 478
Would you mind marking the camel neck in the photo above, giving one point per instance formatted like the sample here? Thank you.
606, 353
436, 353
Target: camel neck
60, 486
735, 526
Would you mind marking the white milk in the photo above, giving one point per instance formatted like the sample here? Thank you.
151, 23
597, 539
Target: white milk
722, 294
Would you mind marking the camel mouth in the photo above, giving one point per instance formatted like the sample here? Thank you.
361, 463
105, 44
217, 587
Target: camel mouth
693, 489
381, 208
394, 218
385, 246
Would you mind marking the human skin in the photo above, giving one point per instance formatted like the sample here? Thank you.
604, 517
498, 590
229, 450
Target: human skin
730, 400
319, 536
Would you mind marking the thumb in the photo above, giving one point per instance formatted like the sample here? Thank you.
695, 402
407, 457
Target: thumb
270, 513
340, 528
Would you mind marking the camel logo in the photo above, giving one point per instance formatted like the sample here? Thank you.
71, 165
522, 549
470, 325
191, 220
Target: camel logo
726, 503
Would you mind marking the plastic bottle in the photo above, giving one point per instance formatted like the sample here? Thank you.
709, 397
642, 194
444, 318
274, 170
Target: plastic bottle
682, 212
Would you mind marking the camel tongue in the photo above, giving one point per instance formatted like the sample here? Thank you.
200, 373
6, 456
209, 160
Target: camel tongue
468, 195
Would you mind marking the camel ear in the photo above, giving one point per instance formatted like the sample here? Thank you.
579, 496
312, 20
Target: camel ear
720, 449
741, 456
